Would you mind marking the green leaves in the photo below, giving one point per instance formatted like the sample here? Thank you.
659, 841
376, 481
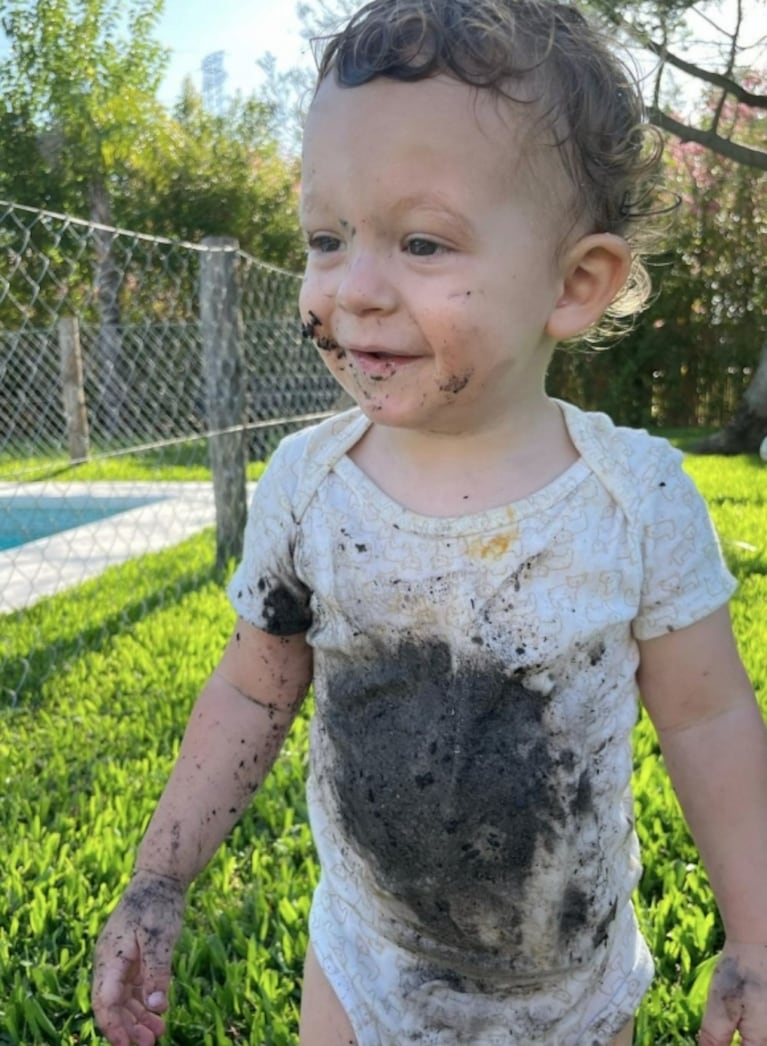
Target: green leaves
82, 131
84, 75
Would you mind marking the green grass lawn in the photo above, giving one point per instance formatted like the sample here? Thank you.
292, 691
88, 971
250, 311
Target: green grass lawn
109, 673
181, 462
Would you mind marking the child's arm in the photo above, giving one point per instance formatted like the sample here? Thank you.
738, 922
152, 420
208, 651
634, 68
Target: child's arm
232, 738
714, 743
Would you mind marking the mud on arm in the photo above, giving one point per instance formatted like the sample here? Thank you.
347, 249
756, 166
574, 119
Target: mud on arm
233, 736
714, 742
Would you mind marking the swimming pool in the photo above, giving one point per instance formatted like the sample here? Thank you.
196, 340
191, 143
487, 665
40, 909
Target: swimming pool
28, 518
134, 518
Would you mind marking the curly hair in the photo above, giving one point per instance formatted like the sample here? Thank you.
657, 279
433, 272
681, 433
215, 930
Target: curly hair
543, 55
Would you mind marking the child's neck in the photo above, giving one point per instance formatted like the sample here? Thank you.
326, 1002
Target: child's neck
454, 474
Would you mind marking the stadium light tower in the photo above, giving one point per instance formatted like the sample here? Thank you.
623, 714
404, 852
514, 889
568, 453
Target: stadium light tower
213, 80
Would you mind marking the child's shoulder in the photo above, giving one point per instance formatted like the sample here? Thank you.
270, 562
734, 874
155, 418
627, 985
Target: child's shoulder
595, 432
303, 459
631, 463
327, 440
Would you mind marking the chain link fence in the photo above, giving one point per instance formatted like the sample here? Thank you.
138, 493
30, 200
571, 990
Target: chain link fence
129, 366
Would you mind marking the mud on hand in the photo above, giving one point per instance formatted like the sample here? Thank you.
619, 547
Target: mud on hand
132, 968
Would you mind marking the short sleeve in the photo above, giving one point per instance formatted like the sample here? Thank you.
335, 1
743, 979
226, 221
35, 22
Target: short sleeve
684, 574
265, 590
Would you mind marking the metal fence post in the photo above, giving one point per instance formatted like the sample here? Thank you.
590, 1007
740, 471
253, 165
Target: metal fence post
225, 390
73, 388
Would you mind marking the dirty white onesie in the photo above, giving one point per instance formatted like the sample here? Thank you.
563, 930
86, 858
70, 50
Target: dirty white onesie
470, 750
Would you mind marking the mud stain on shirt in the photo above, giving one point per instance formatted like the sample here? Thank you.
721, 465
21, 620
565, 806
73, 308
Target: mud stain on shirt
450, 785
285, 613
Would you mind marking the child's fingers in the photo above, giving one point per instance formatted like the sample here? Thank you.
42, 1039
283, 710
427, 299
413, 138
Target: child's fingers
156, 955
737, 997
118, 986
114, 974
717, 1029
123, 1019
147, 1027
722, 1012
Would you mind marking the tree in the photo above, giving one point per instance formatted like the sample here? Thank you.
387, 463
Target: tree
665, 28
722, 260
81, 81
223, 175
289, 92
688, 358
82, 132
730, 127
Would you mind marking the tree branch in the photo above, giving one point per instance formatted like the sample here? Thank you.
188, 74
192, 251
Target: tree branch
640, 35
732, 87
743, 154
728, 72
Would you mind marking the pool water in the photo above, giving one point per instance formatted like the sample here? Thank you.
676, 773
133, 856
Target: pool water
27, 518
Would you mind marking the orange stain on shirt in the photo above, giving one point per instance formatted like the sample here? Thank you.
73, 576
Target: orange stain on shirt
494, 547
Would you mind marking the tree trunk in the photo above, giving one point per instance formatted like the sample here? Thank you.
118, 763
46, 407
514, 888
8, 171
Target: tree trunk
747, 428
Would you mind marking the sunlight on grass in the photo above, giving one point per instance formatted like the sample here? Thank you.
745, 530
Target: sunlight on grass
185, 462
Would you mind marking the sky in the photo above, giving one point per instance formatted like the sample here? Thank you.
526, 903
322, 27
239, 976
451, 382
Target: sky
243, 29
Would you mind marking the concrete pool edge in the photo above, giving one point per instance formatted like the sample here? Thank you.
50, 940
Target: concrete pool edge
42, 568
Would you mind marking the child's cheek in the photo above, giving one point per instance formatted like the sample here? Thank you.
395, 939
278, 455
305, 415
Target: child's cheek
305, 295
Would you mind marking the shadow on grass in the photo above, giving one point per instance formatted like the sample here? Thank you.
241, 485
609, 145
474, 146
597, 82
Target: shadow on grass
43, 639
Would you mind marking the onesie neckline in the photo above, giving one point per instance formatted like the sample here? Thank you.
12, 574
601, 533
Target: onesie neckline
488, 520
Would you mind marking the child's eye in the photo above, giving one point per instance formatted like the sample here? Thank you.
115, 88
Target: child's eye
324, 243
420, 247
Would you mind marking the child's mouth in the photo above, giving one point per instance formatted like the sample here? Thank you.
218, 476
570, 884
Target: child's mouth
380, 364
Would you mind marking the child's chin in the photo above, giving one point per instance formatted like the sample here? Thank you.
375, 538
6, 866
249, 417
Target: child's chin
383, 411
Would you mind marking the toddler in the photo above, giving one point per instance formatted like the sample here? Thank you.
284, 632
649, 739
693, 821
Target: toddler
475, 577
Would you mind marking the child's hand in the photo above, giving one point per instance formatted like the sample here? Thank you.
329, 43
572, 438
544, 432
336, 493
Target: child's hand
133, 960
737, 998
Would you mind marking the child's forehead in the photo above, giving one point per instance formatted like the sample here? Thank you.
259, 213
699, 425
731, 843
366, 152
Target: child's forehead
436, 98
423, 124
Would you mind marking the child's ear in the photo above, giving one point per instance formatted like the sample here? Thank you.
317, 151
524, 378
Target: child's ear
595, 269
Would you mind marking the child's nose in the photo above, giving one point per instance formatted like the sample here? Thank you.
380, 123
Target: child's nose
366, 284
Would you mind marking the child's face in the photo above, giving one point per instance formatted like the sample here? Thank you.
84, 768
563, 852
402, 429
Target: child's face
433, 263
